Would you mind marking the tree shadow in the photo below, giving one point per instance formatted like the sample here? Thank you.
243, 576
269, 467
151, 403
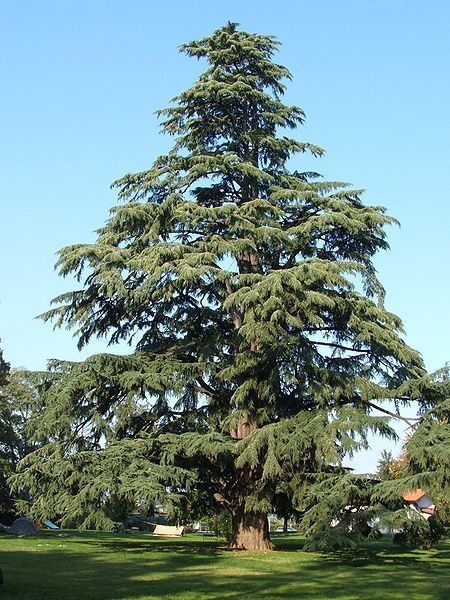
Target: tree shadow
388, 556
152, 545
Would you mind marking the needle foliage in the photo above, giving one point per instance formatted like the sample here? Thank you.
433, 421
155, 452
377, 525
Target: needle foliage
246, 289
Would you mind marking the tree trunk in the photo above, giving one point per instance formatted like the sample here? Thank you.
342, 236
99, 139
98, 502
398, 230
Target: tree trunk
244, 428
250, 531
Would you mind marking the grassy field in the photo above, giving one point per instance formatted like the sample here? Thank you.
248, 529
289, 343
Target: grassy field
104, 566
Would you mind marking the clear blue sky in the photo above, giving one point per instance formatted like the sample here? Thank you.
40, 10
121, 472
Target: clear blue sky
82, 79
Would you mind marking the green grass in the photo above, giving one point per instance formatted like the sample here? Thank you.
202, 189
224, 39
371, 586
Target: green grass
104, 566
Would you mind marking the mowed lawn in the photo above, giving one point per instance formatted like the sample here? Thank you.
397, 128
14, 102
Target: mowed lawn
104, 566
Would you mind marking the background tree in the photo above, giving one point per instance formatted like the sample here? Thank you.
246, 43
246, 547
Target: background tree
424, 461
247, 290
5, 500
283, 506
427, 449
18, 398
399, 466
4, 368
385, 465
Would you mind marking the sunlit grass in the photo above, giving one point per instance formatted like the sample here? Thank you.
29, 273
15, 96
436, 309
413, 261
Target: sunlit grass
103, 566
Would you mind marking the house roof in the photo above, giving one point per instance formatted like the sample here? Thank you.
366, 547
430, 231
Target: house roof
413, 495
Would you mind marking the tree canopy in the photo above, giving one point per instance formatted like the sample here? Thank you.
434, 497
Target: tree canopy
425, 458
17, 398
4, 368
246, 289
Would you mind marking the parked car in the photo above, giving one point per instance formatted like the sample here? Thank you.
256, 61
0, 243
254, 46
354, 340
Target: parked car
289, 530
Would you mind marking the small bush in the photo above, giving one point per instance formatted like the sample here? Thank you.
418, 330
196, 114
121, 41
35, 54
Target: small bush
419, 533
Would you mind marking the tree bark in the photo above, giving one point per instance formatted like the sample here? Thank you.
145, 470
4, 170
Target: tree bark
250, 531
244, 428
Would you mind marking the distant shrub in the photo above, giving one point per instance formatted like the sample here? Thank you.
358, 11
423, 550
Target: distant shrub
420, 533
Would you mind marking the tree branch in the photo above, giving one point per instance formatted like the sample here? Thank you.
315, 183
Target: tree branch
394, 415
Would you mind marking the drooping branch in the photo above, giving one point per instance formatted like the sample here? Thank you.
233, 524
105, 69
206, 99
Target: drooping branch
341, 347
407, 420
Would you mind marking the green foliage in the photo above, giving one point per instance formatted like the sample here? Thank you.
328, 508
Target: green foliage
338, 509
5, 439
4, 368
219, 523
18, 396
247, 291
419, 533
384, 465
326, 538
425, 460
428, 449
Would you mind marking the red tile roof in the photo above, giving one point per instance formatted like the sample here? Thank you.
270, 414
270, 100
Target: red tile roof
413, 495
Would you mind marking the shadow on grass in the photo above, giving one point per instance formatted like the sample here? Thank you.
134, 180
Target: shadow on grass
366, 556
107, 567
149, 544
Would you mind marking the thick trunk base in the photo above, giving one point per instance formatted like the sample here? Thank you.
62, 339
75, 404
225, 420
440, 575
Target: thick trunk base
250, 532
